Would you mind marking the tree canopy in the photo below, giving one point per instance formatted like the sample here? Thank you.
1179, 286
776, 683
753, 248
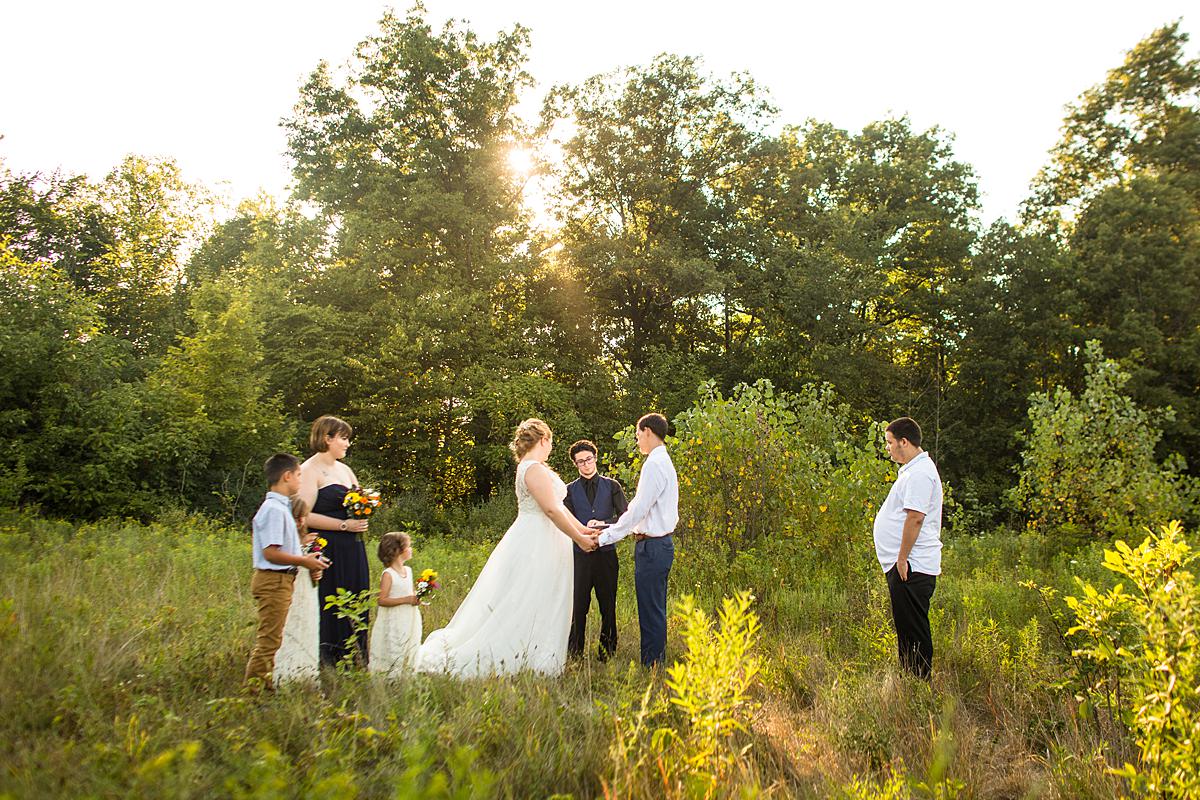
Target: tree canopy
152, 356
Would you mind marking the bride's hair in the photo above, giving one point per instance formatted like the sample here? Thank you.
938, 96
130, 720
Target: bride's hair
528, 434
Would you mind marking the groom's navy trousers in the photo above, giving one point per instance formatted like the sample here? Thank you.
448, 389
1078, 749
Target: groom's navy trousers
652, 559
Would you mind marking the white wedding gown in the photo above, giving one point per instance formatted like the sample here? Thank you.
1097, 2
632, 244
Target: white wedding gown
517, 616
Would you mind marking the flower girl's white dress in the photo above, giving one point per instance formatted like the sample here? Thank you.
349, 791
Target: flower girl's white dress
518, 614
298, 658
397, 632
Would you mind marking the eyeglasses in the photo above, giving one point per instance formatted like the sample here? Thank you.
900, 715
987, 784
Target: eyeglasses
584, 461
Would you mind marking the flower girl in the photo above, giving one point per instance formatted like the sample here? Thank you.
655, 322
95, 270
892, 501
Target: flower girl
298, 656
397, 631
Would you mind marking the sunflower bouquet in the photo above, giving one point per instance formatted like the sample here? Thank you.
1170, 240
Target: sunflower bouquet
361, 503
427, 583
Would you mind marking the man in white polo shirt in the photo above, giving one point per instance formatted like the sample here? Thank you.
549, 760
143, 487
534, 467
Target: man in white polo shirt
908, 543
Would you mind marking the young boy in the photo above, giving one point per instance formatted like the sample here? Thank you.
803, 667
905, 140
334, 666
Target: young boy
277, 554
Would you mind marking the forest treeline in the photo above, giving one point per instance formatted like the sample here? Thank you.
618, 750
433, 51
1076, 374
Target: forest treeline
152, 357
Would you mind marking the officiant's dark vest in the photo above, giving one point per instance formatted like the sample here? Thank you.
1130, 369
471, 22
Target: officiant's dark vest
602, 508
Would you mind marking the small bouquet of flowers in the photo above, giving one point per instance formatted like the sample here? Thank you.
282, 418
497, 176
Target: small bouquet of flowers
361, 503
316, 547
427, 582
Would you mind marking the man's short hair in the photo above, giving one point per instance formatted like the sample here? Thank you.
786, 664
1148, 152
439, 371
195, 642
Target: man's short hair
580, 446
657, 424
279, 465
905, 428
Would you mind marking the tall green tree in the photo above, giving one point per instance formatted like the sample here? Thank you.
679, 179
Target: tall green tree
408, 155
281, 254
1143, 118
1122, 191
1136, 263
651, 159
55, 219
79, 431
215, 422
154, 216
1014, 338
869, 232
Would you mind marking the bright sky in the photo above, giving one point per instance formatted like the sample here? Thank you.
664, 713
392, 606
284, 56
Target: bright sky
84, 83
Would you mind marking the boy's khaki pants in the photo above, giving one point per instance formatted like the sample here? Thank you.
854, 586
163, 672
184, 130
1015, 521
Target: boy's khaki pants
272, 592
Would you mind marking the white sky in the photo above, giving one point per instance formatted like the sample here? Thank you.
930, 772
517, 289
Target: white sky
84, 83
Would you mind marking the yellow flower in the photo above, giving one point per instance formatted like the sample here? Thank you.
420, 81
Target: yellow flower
321, 540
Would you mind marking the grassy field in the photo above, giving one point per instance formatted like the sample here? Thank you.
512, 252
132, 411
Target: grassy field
124, 645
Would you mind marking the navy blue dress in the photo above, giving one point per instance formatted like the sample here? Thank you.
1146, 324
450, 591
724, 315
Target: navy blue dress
349, 571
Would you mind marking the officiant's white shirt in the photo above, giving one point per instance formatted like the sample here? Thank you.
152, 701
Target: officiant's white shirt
918, 487
654, 510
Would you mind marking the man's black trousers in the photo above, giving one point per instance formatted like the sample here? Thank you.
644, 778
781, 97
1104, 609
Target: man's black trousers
595, 571
910, 612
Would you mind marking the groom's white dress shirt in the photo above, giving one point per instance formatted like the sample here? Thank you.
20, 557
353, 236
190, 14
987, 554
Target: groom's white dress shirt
654, 510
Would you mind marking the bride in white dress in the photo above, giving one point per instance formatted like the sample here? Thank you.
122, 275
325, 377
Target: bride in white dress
518, 614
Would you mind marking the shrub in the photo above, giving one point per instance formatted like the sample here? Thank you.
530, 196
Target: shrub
711, 682
1142, 643
762, 465
750, 465
690, 751
1089, 463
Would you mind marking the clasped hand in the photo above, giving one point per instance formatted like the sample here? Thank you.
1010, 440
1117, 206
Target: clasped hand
589, 542
316, 566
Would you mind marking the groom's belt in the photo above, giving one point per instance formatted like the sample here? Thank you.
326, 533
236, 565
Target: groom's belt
641, 537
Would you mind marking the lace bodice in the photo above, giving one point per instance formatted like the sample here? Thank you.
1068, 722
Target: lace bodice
526, 504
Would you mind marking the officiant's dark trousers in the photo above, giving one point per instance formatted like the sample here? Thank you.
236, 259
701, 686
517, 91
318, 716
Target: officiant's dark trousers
597, 571
652, 559
910, 612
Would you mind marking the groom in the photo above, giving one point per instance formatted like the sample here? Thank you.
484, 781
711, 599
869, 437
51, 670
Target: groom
654, 511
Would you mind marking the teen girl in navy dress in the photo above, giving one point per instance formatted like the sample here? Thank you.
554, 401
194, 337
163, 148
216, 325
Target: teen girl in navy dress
324, 482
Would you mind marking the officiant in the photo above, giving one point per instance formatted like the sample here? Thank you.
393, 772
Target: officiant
593, 497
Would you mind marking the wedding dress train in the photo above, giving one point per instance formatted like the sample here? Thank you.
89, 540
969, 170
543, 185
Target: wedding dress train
517, 616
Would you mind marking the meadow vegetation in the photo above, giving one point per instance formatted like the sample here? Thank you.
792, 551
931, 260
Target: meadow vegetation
124, 644
775, 289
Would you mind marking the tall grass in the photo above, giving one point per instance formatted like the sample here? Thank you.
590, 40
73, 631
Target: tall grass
124, 646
